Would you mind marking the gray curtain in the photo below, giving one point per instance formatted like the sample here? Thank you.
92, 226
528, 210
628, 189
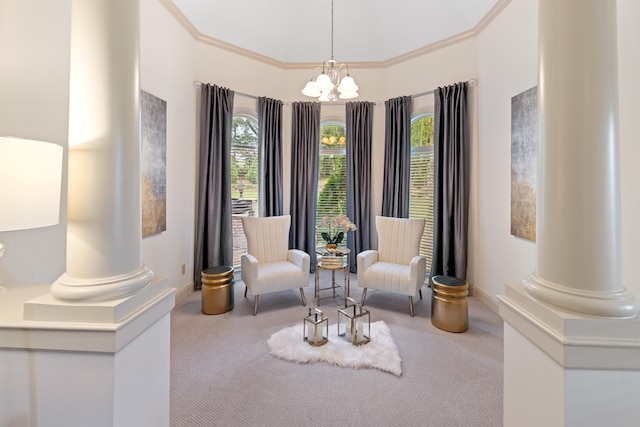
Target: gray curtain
397, 157
305, 145
359, 134
270, 152
214, 242
451, 181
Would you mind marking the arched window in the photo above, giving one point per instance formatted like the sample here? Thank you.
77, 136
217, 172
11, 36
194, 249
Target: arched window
332, 174
422, 178
244, 178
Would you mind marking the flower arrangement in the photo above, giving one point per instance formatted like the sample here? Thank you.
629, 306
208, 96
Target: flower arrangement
335, 227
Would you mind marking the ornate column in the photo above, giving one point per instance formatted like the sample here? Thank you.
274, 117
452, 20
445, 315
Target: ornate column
578, 239
104, 327
104, 217
571, 329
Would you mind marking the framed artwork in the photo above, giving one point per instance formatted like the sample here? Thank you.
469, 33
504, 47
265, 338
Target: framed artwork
524, 155
153, 112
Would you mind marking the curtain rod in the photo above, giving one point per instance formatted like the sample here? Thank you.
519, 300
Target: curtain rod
470, 82
198, 85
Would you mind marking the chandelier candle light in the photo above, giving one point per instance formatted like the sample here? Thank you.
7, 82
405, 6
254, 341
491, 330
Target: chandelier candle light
332, 77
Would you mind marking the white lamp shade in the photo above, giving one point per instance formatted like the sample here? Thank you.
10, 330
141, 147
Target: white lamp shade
348, 95
30, 180
311, 89
324, 97
323, 82
348, 85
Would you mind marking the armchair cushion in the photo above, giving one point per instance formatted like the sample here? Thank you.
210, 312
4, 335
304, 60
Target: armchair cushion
267, 237
270, 265
396, 266
399, 238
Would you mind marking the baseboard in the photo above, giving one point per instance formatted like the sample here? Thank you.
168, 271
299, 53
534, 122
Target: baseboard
484, 298
184, 292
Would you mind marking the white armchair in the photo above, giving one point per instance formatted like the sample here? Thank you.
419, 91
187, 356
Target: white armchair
396, 266
269, 265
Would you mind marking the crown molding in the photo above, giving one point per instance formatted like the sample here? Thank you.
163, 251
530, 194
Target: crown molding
491, 15
210, 41
181, 18
429, 48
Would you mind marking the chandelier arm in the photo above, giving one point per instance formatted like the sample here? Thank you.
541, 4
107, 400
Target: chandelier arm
344, 67
313, 72
326, 66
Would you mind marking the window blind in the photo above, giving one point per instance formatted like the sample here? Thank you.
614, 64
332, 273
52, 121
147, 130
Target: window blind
422, 179
332, 176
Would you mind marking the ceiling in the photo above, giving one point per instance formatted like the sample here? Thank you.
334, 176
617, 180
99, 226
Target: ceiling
299, 31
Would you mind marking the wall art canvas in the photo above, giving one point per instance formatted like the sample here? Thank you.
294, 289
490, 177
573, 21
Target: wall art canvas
154, 160
524, 154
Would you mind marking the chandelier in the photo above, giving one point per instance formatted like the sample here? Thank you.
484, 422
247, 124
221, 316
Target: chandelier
331, 77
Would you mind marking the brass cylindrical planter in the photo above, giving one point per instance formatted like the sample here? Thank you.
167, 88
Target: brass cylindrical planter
449, 308
217, 290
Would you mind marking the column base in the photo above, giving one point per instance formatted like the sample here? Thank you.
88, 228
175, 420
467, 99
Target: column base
67, 288
46, 308
565, 369
572, 340
613, 305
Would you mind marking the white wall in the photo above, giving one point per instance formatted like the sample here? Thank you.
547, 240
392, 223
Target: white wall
167, 70
508, 65
34, 99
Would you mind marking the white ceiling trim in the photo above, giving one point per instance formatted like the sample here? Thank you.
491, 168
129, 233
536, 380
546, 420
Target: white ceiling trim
191, 29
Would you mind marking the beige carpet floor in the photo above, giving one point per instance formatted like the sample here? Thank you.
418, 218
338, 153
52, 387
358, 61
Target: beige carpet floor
223, 375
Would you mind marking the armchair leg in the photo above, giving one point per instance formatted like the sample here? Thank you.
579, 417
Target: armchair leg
364, 295
420, 293
411, 306
245, 290
255, 304
304, 301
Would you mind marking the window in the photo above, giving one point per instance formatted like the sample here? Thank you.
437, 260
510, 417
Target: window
332, 175
244, 178
421, 186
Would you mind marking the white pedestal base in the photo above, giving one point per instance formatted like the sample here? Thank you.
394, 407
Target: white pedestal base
81, 373
565, 370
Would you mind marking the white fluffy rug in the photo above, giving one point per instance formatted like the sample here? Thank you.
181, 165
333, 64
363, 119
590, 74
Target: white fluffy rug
380, 353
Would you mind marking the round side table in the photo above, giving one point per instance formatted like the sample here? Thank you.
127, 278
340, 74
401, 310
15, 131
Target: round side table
217, 290
343, 264
449, 307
